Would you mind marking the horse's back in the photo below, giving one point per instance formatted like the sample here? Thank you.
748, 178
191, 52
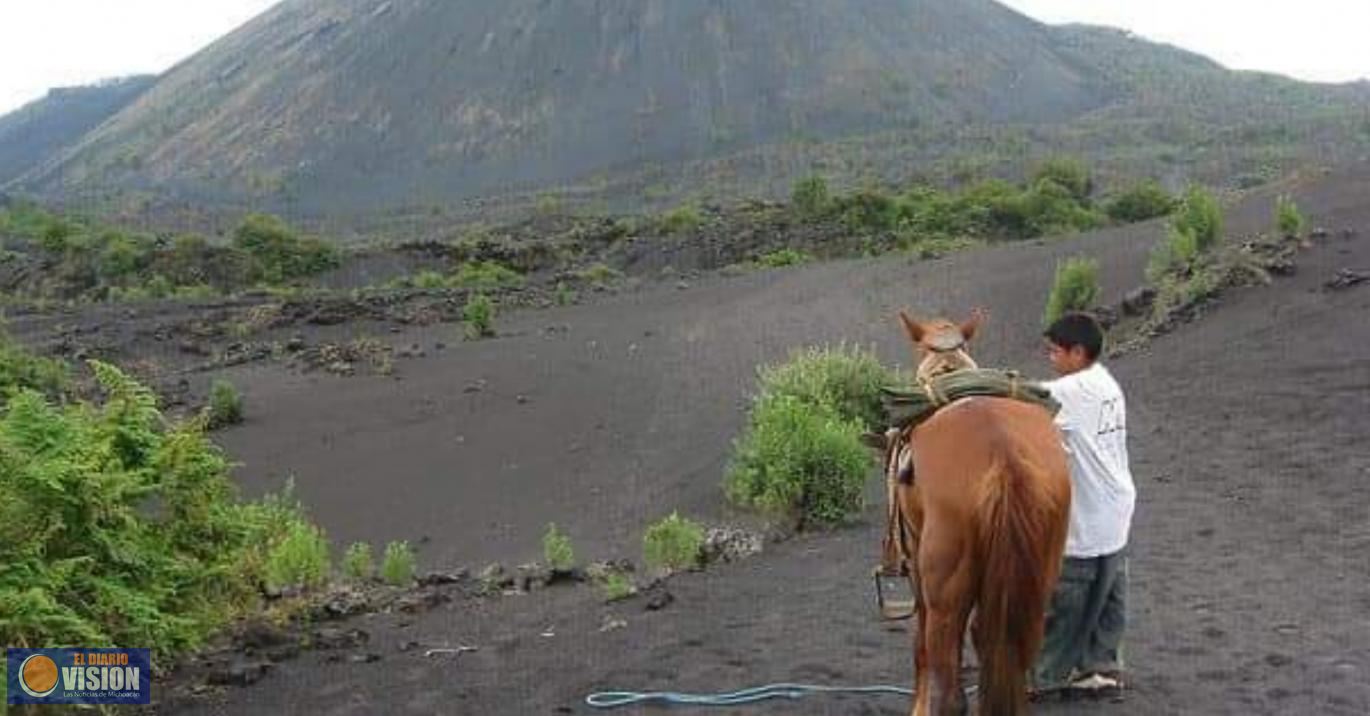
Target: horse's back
991, 429
966, 439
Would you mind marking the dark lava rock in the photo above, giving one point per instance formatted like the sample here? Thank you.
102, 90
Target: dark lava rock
284, 652
659, 598
493, 577
532, 576
328, 316
193, 348
1346, 278
421, 600
337, 638
728, 544
258, 634
1138, 301
436, 579
239, 672
1106, 316
342, 603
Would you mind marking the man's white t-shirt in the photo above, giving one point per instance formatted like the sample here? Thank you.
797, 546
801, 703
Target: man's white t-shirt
1093, 418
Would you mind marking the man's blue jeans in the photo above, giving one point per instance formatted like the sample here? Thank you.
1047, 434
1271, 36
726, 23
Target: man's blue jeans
1085, 622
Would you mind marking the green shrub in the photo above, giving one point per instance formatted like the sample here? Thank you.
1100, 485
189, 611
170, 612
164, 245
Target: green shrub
119, 530
784, 257
938, 246
616, 585
1047, 208
810, 196
1200, 217
122, 255
1070, 174
799, 461
1176, 254
428, 279
55, 233
277, 254
1288, 219
599, 274
397, 568
358, 565
564, 295
926, 212
1142, 201
997, 209
801, 455
225, 405
195, 291
868, 209
160, 286
556, 550
1075, 289
21, 370
682, 218
299, 560
673, 543
845, 379
487, 276
29, 221
548, 205
187, 260
479, 315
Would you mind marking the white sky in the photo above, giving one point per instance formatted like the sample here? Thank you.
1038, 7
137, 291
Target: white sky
53, 43
57, 43
1319, 40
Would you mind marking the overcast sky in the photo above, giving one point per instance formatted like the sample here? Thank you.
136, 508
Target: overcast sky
1322, 40
53, 43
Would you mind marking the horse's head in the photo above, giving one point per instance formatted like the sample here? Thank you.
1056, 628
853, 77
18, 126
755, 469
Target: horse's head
941, 346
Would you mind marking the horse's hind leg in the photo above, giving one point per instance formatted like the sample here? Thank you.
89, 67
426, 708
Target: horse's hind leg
948, 588
920, 651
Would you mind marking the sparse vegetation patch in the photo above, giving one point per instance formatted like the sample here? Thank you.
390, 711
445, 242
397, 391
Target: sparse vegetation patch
225, 405
673, 543
399, 563
1075, 288
479, 315
556, 550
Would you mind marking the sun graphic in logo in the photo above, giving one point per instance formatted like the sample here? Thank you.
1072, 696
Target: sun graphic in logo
38, 676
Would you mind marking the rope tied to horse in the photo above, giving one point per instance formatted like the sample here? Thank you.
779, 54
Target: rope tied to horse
909, 406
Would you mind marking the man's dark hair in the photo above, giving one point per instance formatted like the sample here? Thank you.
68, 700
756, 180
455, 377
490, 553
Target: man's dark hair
1077, 329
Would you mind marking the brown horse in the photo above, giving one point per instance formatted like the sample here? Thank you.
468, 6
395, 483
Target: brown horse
983, 530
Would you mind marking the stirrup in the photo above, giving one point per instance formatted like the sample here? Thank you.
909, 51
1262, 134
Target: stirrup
891, 609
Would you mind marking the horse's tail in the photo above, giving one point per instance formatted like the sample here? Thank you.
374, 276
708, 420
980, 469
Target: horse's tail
1014, 532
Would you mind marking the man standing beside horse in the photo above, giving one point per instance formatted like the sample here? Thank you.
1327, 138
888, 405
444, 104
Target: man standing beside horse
1082, 649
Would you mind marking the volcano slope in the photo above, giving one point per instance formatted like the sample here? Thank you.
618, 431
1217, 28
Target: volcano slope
1249, 557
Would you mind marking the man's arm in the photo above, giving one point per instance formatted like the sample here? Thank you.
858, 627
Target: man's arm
1061, 391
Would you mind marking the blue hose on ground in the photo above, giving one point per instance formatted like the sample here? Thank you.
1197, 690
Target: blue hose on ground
614, 699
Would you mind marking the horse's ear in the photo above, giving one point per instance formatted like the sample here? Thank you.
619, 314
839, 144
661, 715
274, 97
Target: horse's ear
912, 327
977, 317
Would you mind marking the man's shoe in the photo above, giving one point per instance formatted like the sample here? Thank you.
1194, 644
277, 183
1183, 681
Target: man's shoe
1097, 685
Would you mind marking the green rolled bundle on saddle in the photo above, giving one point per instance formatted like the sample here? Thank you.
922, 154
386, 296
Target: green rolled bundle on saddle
908, 406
